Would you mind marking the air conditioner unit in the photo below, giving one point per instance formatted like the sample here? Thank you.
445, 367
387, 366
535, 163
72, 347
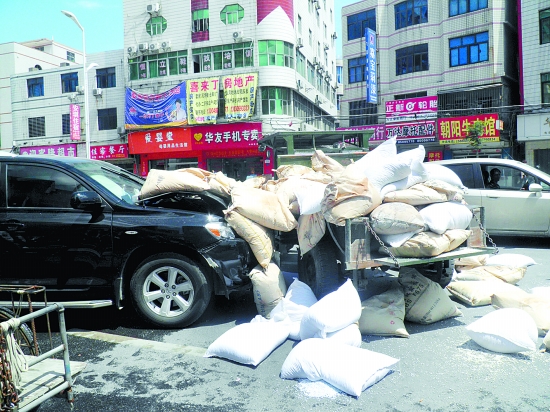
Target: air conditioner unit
299, 43
317, 101
329, 77
97, 92
299, 84
326, 46
237, 35
166, 44
154, 47
64, 64
121, 130
317, 4
153, 8
315, 61
143, 47
334, 35
33, 69
80, 89
131, 49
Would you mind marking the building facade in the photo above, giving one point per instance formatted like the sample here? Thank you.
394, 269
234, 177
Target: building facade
534, 122
239, 71
48, 110
442, 68
28, 58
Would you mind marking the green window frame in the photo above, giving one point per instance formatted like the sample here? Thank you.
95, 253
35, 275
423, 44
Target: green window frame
232, 14
545, 87
159, 65
201, 20
224, 57
276, 100
276, 53
300, 63
156, 25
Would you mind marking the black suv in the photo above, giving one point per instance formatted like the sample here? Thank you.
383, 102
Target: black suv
79, 228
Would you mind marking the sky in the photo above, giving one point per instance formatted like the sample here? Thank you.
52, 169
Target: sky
24, 20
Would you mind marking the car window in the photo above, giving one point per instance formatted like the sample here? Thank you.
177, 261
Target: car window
37, 186
465, 173
509, 178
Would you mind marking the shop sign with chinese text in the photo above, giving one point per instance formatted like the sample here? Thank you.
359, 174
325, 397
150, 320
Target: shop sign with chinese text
378, 135
226, 136
68, 150
239, 92
202, 100
106, 152
434, 155
453, 130
417, 132
411, 109
372, 83
146, 111
175, 139
74, 119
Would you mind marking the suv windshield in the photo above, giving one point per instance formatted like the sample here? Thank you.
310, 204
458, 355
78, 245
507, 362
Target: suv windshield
120, 183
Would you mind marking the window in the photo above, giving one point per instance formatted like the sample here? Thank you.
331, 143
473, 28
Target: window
158, 65
300, 63
357, 70
357, 23
156, 25
469, 49
544, 21
200, 20
299, 24
545, 84
276, 100
409, 95
35, 87
310, 38
457, 7
410, 12
70, 56
339, 74
276, 53
37, 126
232, 14
411, 59
106, 119
65, 124
227, 56
36, 186
362, 113
69, 81
106, 77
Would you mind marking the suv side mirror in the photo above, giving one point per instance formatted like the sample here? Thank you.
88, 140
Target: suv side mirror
85, 200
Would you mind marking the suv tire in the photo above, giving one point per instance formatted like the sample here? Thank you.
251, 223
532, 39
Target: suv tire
170, 291
318, 268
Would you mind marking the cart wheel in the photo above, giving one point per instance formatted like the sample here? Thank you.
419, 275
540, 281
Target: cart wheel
318, 268
23, 335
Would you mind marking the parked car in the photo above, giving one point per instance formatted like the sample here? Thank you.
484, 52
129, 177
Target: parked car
78, 227
519, 206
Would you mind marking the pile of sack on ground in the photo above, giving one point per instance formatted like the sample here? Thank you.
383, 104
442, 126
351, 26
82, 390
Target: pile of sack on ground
491, 280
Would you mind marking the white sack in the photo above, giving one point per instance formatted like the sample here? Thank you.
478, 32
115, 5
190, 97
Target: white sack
333, 312
350, 335
505, 331
447, 215
510, 259
347, 368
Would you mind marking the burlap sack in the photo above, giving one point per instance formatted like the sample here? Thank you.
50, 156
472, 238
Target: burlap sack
384, 314
220, 184
425, 301
395, 218
311, 229
292, 170
423, 244
258, 237
536, 306
320, 162
508, 274
265, 208
478, 293
347, 197
164, 181
416, 195
269, 287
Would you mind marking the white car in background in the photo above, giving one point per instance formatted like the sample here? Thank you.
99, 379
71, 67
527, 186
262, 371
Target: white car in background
520, 207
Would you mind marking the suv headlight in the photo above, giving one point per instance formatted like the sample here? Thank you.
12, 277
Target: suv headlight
220, 230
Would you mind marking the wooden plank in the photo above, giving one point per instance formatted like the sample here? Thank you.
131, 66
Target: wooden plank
43, 377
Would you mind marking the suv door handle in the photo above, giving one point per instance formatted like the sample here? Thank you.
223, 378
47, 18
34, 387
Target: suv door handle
12, 225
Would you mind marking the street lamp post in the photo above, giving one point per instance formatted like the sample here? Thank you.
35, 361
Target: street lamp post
86, 106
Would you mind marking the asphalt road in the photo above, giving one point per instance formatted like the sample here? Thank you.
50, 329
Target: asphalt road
440, 368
